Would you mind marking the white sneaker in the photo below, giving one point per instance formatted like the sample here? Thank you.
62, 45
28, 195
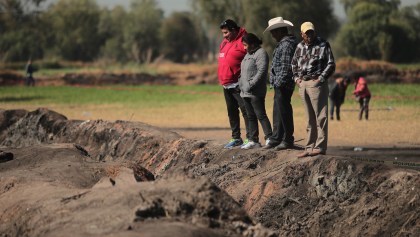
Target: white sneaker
267, 141
251, 145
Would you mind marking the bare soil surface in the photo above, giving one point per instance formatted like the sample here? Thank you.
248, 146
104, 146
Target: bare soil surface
99, 178
206, 75
184, 74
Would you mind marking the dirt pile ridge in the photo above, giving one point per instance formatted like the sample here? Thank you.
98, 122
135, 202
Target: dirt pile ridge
100, 178
205, 76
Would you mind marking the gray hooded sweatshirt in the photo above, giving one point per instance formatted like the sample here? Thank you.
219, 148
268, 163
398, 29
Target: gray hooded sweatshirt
254, 73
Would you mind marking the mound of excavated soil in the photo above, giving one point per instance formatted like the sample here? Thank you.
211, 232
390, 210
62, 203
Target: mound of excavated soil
205, 76
97, 178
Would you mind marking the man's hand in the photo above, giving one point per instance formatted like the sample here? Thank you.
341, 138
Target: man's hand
298, 81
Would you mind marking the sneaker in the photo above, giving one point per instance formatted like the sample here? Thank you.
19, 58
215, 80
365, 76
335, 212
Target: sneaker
270, 145
233, 142
283, 146
246, 141
251, 145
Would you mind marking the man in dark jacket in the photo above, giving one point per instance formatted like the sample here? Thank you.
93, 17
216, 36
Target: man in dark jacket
337, 95
281, 79
29, 69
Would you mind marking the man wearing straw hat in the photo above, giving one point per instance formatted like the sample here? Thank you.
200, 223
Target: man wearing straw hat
281, 79
312, 65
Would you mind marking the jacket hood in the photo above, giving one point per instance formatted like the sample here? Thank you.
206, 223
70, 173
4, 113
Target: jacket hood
241, 33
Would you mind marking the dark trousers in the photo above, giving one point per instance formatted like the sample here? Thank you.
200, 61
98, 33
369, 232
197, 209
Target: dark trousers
30, 81
283, 126
364, 107
234, 101
337, 106
255, 108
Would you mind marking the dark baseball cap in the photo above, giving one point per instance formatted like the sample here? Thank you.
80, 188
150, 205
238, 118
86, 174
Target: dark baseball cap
230, 24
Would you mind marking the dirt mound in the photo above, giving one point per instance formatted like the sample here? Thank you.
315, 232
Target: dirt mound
84, 178
56, 190
95, 79
10, 78
179, 74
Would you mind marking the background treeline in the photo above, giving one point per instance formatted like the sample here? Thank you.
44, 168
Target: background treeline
80, 30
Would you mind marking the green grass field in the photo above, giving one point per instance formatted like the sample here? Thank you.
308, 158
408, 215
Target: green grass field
151, 96
147, 96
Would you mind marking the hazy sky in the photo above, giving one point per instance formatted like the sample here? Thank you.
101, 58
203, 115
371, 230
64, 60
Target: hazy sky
170, 6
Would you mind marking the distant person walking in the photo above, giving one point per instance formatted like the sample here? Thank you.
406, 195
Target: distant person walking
281, 79
337, 95
313, 63
29, 69
229, 69
362, 94
253, 85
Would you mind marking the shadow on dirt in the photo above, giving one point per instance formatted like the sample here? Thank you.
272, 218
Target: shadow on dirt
397, 156
20, 99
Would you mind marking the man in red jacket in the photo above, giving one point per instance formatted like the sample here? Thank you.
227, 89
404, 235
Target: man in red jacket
230, 57
362, 93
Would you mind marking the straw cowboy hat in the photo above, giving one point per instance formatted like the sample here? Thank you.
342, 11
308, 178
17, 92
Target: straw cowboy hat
277, 23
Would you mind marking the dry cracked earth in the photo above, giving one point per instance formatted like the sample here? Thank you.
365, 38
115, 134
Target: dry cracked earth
61, 177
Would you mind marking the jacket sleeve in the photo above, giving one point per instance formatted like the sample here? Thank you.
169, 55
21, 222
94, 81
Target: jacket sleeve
361, 84
295, 66
261, 62
282, 65
333, 91
330, 63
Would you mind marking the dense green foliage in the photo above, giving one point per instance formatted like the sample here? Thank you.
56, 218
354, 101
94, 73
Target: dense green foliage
141, 37
111, 26
378, 29
21, 36
254, 15
179, 42
74, 29
80, 30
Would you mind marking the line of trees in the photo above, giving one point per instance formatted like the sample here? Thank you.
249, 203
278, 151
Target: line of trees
80, 30
379, 29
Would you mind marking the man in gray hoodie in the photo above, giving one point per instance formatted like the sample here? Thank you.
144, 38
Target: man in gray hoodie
281, 79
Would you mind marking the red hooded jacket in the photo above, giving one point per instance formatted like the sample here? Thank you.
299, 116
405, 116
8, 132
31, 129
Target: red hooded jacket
361, 88
230, 58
